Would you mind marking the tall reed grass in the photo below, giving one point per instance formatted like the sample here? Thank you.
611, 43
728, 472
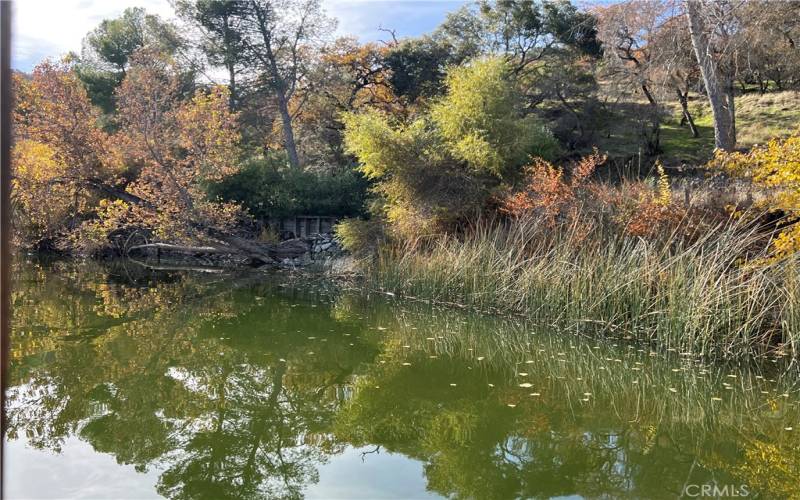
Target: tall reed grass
709, 295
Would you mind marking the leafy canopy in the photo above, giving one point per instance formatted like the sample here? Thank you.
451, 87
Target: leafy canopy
482, 123
441, 166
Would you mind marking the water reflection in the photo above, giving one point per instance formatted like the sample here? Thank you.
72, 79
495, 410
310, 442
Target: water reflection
246, 387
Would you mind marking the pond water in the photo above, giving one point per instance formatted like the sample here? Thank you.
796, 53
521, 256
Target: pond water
133, 383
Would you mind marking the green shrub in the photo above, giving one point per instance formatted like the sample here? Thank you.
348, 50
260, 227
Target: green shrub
442, 167
269, 187
360, 237
482, 122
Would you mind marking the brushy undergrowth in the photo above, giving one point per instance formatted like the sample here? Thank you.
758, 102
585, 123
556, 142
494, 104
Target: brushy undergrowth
701, 296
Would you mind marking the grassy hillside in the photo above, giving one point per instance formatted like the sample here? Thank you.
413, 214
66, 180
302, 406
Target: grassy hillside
758, 119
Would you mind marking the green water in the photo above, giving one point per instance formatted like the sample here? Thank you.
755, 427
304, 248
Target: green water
126, 383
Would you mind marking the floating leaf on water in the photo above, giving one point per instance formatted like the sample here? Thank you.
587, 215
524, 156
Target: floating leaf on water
526, 384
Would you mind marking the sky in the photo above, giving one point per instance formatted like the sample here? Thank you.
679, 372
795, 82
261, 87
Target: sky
50, 28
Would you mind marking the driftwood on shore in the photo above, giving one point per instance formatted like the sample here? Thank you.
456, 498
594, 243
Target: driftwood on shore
260, 253
169, 248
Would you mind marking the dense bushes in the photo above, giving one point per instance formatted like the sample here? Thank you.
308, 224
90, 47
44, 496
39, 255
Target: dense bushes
443, 166
269, 187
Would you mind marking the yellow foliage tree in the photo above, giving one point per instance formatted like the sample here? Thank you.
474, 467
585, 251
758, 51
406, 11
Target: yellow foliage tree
177, 147
774, 166
59, 151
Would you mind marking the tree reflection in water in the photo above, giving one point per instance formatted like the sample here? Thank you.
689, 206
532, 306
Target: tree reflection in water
245, 387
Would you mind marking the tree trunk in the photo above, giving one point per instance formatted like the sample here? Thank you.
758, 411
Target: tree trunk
730, 96
719, 88
280, 86
288, 133
652, 137
232, 87
683, 98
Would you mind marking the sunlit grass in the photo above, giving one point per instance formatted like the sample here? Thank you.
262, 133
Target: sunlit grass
759, 118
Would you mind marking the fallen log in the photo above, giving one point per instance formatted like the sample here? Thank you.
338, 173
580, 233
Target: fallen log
231, 245
290, 249
188, 249
195, 268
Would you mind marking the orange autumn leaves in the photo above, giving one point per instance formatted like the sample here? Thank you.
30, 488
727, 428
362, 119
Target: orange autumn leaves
58, 150
178, 146
580, 203
74, 181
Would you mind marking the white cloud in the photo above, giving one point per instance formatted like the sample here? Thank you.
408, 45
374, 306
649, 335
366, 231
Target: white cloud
50, 28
